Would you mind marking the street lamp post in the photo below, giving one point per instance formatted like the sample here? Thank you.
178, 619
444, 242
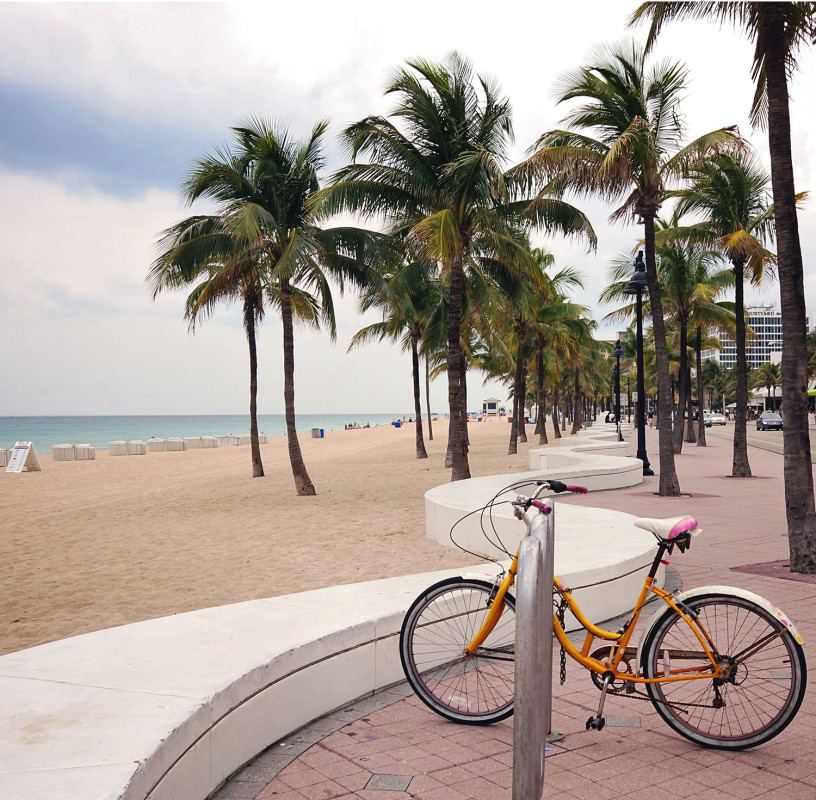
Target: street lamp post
628, 401
636, 286
617, 353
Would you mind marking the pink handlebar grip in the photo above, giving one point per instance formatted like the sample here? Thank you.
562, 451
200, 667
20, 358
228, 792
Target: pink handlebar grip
577, 489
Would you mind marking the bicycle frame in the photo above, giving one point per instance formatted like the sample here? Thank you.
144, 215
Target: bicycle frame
621, 638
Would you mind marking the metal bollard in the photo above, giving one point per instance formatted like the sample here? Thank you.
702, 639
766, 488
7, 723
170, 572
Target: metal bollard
533, 669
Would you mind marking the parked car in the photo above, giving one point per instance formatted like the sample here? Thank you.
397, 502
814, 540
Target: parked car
769, 421
714, 418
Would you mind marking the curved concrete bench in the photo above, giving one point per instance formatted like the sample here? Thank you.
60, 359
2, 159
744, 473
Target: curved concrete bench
594, 548
583, 459
171, 707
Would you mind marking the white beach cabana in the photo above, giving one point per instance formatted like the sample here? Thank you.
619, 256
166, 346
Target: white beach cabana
174, 443
84, 452
136, 448
5, 455
118, 448
62, 452
155, 445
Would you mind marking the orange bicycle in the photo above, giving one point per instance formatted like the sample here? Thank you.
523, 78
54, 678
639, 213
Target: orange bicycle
722, 666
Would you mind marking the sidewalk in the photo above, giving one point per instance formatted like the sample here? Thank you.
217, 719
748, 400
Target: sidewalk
390, 746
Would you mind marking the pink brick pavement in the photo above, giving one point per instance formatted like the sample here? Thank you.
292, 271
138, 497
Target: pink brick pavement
406, 751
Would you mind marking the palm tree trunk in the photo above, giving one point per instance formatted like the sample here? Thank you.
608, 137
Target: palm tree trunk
303, 484
542, 413
701, 438
682, 378
669, 485
539, 370
577, 420
799, 502
522, 417
428, 398
460, 468
556, 426
512, 447
740, 467
463, 382
541, 426
249, 327
521, 383
420, 442
690, 437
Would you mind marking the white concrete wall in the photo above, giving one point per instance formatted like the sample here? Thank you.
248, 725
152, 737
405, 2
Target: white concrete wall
169, 708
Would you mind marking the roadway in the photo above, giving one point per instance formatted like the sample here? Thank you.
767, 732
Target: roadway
764, 440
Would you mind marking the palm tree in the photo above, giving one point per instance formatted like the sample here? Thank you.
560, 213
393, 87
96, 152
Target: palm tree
778, 30
205, 250
407, 298
712, 380
634, 113
436, 176
690, 284
264, 186
767, 376
730, 192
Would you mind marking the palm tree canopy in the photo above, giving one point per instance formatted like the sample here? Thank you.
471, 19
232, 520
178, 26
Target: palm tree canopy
800, 29
730, 191
436, 167
633, 112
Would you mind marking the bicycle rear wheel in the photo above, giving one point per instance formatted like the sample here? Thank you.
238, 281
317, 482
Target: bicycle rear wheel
762, 690
474, 689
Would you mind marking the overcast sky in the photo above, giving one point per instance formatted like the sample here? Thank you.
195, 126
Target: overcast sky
105, 105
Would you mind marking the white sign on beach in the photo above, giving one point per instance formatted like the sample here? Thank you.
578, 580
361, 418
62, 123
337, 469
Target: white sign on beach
24, 455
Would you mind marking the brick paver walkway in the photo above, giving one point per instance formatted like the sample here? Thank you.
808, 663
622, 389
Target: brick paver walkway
390, 747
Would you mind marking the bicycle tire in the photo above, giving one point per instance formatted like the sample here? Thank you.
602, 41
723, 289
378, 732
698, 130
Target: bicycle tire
759, 698
474, 690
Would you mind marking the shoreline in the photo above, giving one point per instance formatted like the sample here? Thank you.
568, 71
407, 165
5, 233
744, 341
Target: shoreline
91, 546
99, 430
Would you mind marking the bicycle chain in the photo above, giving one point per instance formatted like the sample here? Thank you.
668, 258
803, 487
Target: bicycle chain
562, 607
634, 694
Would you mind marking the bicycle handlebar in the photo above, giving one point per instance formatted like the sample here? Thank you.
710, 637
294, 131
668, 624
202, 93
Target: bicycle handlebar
555, 486
558, 487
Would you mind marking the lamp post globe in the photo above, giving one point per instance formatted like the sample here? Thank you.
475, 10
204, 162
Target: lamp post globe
637, 285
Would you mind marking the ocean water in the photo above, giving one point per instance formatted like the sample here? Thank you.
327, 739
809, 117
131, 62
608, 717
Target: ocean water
98, 431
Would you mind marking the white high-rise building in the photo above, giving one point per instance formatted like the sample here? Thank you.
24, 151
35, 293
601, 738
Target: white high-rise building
764, 347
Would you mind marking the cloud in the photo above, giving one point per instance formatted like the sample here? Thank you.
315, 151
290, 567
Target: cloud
106, 104
82, 336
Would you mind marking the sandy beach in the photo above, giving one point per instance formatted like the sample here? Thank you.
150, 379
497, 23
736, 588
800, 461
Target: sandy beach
92, 544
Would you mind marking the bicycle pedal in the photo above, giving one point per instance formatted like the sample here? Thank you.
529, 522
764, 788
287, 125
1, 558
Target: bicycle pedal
596, 723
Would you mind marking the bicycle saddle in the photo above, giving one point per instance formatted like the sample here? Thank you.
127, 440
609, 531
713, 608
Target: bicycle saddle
670, 528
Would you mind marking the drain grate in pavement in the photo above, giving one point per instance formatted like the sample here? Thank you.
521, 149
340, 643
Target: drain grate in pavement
389, 783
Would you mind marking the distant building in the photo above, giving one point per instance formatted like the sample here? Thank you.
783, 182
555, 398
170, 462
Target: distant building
764, 347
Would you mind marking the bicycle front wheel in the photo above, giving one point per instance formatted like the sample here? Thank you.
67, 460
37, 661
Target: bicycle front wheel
474, 689
763, 685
